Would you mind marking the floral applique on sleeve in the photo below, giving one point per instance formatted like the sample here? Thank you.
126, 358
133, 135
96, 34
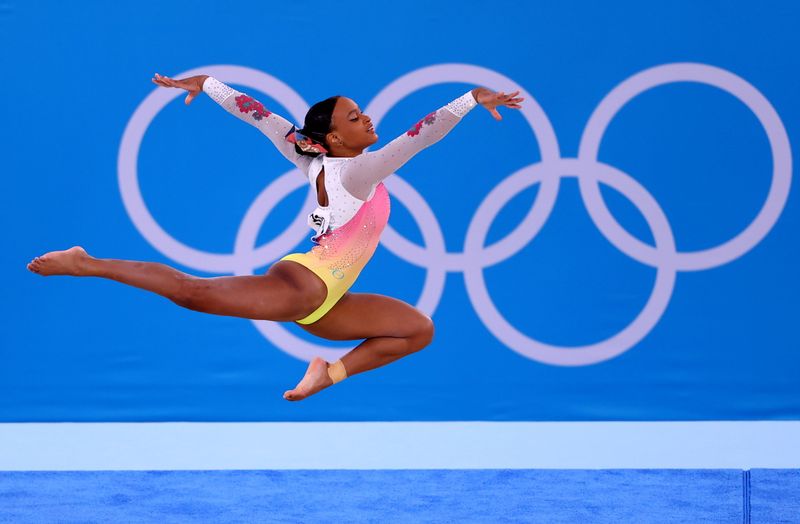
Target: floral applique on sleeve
428, 120
246, 104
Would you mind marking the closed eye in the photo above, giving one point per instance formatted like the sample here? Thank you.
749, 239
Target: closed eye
357, 117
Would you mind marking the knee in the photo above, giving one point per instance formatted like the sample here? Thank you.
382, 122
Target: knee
188, 292
423, 334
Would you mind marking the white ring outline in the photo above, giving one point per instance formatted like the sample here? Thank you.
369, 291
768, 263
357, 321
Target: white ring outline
599, 351
745, 93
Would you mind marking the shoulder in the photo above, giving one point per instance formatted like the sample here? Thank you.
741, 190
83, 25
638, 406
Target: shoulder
337, 162
314, 166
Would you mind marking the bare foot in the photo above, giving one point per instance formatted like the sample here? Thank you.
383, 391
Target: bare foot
73, 261
315, 380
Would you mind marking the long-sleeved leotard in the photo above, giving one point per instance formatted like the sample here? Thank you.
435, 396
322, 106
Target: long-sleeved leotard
349, 227
359, 175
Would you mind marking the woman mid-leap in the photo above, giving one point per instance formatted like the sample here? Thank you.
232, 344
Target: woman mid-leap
310, 288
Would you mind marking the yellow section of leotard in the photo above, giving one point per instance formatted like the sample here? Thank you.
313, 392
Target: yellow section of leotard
337, 287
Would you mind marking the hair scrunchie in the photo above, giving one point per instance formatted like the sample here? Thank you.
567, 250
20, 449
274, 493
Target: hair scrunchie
305, 143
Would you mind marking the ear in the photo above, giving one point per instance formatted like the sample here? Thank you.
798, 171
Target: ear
333, 138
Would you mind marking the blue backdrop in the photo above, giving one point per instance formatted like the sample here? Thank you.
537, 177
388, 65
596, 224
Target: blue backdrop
679, 302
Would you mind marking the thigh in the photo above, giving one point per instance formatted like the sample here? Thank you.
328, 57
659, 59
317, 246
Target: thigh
365, 315
287, 292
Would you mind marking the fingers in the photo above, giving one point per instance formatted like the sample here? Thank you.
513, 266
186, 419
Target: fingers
511, 97
166, 81
508, 99
163, 81
514, 102
491, 101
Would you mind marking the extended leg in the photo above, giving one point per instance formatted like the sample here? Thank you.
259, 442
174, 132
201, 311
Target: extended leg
287, 292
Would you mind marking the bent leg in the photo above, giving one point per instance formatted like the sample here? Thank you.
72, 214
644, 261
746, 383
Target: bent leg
287, 292
392, 329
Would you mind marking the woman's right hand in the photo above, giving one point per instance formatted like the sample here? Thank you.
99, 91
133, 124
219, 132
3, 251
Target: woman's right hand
491, 100
193, 84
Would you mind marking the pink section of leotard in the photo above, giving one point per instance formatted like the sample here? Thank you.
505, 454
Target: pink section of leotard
354, 243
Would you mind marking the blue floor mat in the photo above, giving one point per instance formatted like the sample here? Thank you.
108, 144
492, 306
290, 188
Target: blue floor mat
775, 495
415, 496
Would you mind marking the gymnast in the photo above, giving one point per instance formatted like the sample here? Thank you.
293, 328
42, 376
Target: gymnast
310, 288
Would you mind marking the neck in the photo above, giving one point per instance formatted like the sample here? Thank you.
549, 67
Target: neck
344, 152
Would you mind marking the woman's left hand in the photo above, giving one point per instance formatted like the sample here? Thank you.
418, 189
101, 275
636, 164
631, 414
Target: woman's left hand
491, 100
193, 84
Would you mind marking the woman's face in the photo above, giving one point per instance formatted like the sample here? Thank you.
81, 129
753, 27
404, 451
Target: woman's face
352, 129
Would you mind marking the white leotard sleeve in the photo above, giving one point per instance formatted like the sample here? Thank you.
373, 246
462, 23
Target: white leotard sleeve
253, 112
361, 174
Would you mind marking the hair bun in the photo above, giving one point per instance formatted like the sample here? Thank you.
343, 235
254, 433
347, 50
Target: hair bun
304, 144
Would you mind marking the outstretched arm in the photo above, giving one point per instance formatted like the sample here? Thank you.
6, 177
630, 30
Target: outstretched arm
365, 171
243, 107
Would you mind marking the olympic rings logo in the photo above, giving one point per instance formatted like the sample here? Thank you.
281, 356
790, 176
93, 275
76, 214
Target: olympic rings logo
433, 256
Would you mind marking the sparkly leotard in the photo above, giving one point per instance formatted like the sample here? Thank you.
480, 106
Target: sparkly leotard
349, 227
